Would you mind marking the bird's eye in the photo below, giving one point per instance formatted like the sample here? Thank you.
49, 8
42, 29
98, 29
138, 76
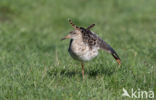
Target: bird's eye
73, 33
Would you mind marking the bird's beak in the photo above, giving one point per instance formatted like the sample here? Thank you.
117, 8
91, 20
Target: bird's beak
66, 37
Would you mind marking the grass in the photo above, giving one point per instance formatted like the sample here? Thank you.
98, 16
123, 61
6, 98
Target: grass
35, 64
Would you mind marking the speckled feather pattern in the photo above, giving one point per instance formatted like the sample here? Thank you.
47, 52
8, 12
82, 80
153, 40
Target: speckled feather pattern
86, 44
81, 51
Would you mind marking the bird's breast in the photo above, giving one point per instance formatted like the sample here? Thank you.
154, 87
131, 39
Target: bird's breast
82, 52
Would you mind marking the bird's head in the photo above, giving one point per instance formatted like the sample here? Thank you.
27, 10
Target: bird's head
77, 32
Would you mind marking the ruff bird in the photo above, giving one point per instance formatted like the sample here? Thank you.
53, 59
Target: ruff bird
85, 44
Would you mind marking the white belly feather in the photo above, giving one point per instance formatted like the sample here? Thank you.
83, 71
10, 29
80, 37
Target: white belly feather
82, 52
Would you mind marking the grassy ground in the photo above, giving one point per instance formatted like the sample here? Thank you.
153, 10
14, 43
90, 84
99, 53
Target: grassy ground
35, 64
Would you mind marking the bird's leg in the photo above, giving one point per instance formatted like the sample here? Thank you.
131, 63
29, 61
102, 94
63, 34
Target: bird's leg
82, 70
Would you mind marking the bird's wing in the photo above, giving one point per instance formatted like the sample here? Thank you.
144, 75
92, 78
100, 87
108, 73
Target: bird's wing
104, 46
93, 40
89, 37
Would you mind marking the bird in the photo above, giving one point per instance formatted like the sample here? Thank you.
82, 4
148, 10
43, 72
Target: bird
85, 44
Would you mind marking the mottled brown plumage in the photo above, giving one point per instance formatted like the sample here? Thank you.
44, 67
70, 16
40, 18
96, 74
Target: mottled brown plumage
93, 40
84, 44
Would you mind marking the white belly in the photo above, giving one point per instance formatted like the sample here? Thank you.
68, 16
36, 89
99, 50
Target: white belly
88, 55
82, 52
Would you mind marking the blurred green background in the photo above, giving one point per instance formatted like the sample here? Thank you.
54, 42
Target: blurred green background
35, 64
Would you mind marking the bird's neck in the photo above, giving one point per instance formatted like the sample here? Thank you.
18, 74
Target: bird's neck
78, 38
